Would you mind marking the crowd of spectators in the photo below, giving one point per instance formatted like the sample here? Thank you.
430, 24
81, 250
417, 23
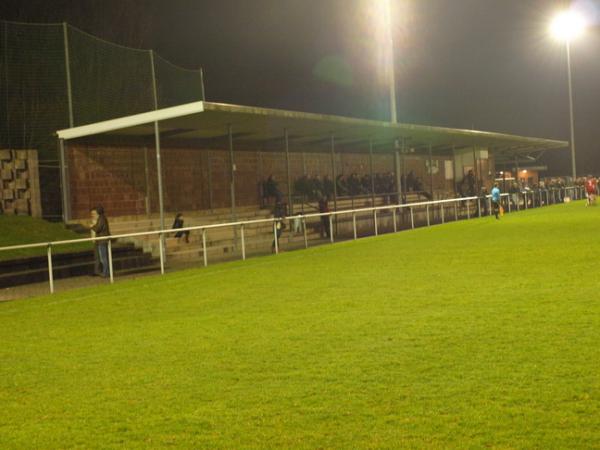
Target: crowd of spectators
315, 187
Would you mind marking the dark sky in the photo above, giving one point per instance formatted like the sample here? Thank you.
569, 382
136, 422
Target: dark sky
487, 64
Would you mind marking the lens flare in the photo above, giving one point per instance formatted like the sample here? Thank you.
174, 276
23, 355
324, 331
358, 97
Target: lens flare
567, 26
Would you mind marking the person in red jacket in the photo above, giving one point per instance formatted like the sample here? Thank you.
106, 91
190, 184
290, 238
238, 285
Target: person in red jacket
591, 187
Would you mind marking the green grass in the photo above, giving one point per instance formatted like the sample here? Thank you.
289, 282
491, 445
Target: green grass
21, 230
474, 334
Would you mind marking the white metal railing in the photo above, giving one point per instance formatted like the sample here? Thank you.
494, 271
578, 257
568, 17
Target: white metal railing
552, 196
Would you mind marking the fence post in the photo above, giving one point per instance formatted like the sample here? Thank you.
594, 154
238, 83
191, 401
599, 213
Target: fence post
468, 209
375, 222
204, 249
50, 269
354, 226
479, 207
443, 214
305, 232
110, 262
526, 200
455, 211
331, 228
161, 245
243, 237
428, 221
275, 241
412, 219
509, 202
394, 220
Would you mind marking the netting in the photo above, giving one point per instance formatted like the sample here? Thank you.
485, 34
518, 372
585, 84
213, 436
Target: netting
107, 80
49, 73
175, 85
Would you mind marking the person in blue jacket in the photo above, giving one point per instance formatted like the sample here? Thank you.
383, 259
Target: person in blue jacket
496, 201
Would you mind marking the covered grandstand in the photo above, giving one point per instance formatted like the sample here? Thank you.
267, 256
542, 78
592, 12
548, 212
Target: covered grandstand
207, 156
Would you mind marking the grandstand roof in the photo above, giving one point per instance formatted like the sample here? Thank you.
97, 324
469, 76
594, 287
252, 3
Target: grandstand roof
204, 122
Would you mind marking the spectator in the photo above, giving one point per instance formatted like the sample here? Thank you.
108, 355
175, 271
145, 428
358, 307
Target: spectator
101, 229
496, 201
279, 213
324, 208
178, 223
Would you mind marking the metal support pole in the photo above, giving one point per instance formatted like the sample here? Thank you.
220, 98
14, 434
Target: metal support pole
508, 201
154, 85
412, 219
526, 200
354, 226
375, 222
456, 211
204, 248
476, 172
161, 250
331, 228
305, 232
479, 207
161, 205
64, 181
371, 172
275, 240
398, 176
210, 185
468, 210
110, 262
50, 269
571, 112
431, 170
334, 180
147, 177
394, 220
68, 73
232, 170
443, 215
288, 172
427, 210
243, 237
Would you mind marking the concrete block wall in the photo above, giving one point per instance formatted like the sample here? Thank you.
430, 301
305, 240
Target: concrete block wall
20, 183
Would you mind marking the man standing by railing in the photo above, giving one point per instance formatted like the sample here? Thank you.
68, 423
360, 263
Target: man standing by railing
102, 230
496, 201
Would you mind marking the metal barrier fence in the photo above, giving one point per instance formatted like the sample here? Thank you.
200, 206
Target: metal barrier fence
482, 207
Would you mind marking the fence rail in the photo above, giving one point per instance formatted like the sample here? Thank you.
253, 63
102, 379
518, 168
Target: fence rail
512, 201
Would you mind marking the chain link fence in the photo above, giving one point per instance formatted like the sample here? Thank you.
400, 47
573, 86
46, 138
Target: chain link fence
54, 76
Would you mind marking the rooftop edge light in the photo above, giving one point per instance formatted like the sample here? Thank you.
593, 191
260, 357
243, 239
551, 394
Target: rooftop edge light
567, 26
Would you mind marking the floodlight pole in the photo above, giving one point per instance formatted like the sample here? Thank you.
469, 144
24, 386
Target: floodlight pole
390, 58
571, 111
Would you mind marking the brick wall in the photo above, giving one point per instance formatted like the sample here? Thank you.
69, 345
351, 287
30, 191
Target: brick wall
115, 176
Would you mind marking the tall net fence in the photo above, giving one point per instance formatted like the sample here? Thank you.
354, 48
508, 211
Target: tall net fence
53, 76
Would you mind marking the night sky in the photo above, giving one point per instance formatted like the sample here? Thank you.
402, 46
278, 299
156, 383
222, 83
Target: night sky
483, 64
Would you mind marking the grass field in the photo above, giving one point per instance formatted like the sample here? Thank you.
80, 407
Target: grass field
21, 230
472, 334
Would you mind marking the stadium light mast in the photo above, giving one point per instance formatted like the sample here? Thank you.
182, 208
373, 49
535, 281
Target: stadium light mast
389, 56
566, 27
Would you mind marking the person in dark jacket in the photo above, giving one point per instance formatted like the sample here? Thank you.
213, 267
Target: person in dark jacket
324, 208
178, 223
101, 229
279, 213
